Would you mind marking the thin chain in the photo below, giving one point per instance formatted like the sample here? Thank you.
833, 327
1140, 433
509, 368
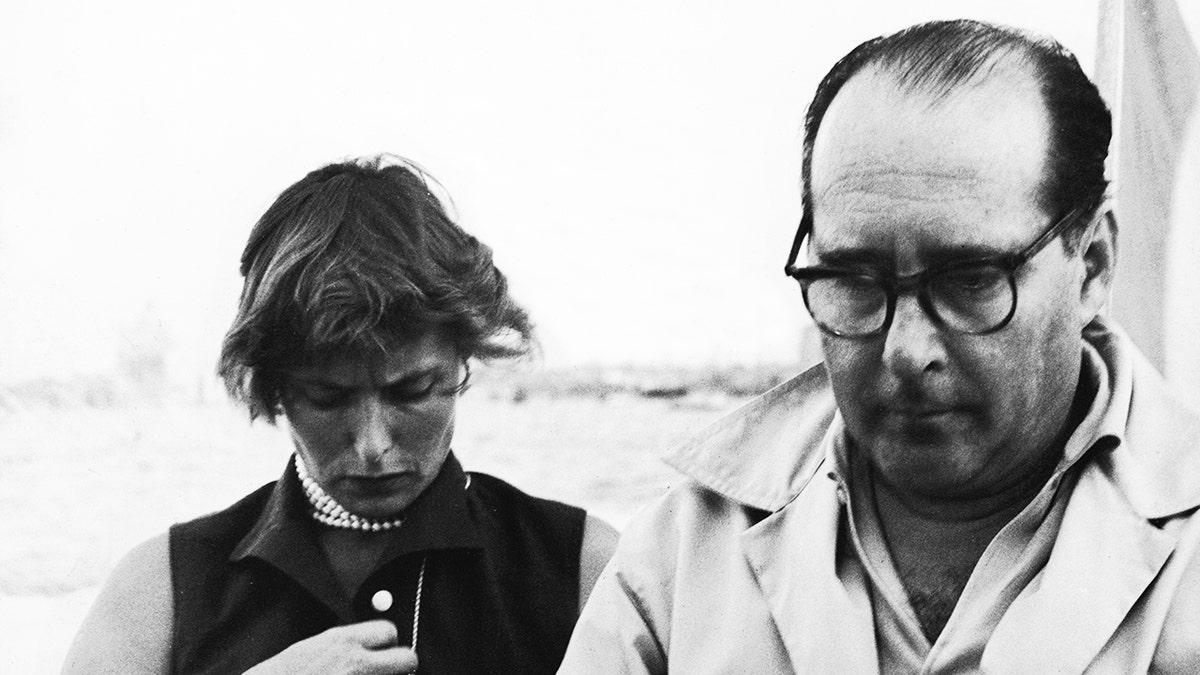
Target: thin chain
417, 602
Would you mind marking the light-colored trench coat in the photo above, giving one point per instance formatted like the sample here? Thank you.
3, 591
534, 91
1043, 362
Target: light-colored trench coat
733, 571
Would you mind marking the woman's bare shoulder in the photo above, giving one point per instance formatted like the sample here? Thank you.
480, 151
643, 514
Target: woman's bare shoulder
128, 629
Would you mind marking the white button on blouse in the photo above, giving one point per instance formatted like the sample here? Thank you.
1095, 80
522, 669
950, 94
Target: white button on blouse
381, 601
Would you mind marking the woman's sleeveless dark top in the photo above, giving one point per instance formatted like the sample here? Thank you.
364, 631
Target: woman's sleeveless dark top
500, 595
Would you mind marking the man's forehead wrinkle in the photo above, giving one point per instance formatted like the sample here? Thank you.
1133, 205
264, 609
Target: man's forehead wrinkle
859, 181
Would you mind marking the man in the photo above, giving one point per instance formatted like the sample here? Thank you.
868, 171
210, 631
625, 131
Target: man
984, 474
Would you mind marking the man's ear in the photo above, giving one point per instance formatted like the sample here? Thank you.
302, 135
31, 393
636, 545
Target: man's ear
1098, 248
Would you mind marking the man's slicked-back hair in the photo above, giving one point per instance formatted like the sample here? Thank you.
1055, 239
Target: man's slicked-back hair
352, 259
938, 58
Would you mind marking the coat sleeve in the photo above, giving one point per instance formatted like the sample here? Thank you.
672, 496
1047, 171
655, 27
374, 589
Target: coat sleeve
625, 625
614, 634
661, 603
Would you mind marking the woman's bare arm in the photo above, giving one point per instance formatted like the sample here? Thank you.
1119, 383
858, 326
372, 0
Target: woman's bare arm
128, 629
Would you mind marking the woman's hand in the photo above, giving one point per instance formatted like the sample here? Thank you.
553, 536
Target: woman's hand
367, 648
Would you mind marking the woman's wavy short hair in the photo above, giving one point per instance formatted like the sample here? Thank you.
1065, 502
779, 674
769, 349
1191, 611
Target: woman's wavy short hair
352, 259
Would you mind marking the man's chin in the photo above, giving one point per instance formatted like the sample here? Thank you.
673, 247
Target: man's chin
948, 429
915, 440
927, 459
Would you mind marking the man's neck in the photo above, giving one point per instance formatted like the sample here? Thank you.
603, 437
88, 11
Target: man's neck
935, 549
967, 511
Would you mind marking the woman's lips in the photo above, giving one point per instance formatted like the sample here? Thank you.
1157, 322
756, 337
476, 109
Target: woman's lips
374, 486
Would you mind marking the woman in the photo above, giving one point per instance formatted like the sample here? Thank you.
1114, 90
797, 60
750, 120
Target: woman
362, 306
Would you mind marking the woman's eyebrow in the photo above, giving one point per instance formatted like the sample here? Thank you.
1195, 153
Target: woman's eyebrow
317, 380
412, 376
318, 383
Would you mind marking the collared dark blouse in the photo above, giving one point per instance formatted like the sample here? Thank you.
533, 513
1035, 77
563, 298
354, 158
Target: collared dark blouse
501, 580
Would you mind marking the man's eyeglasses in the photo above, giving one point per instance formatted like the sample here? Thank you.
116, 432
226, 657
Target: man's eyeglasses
975, 297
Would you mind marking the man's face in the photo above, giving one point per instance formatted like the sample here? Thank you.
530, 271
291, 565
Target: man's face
903, 181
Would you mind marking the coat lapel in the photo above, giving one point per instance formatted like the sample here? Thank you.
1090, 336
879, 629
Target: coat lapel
793, 555
1105, 557
770, 455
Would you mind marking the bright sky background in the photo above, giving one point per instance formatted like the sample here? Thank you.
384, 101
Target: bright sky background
633, 164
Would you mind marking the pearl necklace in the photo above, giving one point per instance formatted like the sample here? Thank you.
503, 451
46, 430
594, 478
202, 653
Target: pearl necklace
327, 511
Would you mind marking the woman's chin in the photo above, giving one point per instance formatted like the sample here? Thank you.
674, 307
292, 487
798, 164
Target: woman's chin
379, 508
381, 500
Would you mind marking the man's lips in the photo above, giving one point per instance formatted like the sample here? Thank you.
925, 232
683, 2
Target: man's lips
904, 411
919, 403
925, 417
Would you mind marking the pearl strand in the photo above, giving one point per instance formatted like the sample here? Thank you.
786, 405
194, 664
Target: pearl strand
327, 511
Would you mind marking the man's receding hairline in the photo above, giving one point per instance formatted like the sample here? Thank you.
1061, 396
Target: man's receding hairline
1012, 65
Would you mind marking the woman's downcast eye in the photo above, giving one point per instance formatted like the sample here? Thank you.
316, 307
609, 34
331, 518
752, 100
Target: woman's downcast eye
322, 397
412, 392
405, 392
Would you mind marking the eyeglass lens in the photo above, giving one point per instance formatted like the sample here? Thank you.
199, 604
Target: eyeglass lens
975, 299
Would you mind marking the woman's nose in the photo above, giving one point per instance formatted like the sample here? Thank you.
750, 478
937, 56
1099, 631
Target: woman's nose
372, 429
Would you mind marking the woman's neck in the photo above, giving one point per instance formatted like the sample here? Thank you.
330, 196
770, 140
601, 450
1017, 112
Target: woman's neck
352, 555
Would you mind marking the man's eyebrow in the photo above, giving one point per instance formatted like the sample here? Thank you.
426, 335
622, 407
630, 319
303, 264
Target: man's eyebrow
854, 257
934, 255
962, 253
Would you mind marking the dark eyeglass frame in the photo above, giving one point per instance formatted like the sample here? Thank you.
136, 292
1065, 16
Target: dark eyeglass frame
919, 281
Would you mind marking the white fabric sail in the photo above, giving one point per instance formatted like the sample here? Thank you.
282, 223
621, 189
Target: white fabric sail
1148, 68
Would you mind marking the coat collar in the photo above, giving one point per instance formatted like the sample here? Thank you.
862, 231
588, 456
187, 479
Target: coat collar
1157, 464
1104, 558
764, 454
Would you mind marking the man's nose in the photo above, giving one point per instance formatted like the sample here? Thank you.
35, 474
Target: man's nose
913, 343
372, 429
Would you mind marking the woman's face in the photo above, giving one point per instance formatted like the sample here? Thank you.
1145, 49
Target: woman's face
374, 432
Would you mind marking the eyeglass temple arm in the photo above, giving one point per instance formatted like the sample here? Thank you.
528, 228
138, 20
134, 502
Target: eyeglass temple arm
801, 231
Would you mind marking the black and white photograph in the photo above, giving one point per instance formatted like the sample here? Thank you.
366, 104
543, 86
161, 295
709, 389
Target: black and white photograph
658, 337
